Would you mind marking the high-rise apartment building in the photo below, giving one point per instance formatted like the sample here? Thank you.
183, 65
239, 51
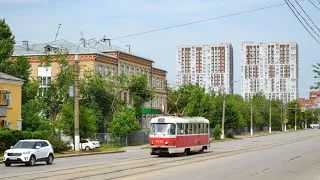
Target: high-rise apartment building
270, 69
210, 66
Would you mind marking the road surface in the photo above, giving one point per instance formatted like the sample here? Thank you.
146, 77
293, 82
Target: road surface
282, 156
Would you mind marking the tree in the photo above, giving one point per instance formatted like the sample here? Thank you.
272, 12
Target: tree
123, 124
6, 43
32, 117
97, 93
139, 92
316, 70
87, 120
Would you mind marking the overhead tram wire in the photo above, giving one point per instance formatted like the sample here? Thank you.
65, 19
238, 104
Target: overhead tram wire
200, 21
314, 4
301, 22
304, 19
307, 15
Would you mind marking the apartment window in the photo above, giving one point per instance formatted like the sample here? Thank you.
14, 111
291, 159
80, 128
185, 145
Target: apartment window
9, 99
45, 81
161, 85
100, 69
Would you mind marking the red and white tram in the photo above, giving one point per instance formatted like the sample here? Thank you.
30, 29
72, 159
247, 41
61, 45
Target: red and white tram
178, 135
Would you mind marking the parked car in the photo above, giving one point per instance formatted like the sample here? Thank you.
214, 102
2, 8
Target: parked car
86, 144
29, 152
95, 142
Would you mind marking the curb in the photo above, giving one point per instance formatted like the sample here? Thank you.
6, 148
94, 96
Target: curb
84, 154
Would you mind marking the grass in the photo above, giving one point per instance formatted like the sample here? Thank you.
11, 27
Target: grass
145, 147
102, 148
223, 140
1, 157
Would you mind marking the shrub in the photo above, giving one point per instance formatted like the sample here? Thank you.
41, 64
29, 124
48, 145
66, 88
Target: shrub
217, 132
9, 138
230, 134
58, 145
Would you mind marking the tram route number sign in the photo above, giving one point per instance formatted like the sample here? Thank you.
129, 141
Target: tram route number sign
159, 141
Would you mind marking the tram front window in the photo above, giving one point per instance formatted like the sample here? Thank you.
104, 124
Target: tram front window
169, 129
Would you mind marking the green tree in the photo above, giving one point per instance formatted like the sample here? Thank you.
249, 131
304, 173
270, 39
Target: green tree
123, 124
32, 117
87, 120
316, 70
97, 93
6, 44
139, 92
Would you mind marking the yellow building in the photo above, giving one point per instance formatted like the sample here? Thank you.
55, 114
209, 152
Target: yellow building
10, 102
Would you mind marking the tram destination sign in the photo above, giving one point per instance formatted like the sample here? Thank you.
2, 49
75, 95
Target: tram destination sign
161, 120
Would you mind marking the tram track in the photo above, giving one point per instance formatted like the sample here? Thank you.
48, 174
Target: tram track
131, 167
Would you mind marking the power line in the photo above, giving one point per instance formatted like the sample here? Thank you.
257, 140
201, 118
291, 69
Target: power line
301, 22
304, 19
314, 4
204, 20
308, 15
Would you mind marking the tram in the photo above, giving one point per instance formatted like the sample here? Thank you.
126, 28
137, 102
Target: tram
178, 135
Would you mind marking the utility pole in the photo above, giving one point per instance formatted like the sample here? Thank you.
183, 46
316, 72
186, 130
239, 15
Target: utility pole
270, 116
281, 115
251, 123
76, 104
295, 118
223, 115
285, 117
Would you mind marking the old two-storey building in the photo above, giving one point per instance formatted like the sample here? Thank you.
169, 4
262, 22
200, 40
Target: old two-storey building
102, 58
10, 102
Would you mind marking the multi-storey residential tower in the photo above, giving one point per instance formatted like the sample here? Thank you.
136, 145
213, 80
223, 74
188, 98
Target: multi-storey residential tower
210, 66
270, 69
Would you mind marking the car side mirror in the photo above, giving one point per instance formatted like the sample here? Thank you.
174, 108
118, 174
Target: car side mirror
37, 147
11, 147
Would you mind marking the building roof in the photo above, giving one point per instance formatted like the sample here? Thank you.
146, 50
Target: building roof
39, 49
10, 78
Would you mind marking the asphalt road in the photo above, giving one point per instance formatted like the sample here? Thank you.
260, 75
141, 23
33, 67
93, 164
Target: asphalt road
294, 156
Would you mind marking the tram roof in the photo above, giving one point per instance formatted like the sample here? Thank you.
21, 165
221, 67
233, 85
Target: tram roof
177, 119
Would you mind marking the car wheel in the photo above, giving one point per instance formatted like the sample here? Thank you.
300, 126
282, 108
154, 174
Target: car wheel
32, 161
7, 164
50, 159
87, 148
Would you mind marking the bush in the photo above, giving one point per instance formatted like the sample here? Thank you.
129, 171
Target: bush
9, 138
217, 132
230, 134
59, 145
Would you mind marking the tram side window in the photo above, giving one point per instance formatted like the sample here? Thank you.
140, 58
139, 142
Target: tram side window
190, 129
180, 129
201, 129
193, 128
197, 129
186, 129
205, 128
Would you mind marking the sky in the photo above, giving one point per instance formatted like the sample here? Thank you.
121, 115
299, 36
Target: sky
37, 21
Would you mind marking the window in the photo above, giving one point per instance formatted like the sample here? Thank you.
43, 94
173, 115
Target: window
100, 69
19, 124
106, 70
189, 128
8, 98
193, 128
44, 144
201, 129
180, 129
45, 81
205, 127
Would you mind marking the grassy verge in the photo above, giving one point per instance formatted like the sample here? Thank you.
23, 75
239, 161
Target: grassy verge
145, 147
1, 157
223, 140
102, 148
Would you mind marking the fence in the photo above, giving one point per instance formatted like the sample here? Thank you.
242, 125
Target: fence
134, 138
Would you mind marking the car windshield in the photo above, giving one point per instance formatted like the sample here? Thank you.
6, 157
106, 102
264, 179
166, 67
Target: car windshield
25, 145
162, 128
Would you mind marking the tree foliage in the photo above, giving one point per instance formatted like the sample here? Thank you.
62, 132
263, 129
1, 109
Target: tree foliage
6, 43
124, 123
316, 70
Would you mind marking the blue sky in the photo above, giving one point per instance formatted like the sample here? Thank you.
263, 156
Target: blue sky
37, 21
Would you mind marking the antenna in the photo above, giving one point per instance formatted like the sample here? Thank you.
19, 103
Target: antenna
57, 32
81, 33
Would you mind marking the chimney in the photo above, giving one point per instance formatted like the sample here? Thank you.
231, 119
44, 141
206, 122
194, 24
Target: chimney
105, 40
128, 46
26, 43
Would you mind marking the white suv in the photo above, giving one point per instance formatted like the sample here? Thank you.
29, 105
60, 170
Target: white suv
29, 152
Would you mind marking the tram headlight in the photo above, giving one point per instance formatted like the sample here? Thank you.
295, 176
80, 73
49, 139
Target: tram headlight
152, 143
166, 143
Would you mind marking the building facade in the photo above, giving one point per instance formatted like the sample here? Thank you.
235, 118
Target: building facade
271, 69
210, 66
104, 59
10, 102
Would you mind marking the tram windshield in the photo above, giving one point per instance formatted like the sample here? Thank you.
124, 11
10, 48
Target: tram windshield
162, 128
